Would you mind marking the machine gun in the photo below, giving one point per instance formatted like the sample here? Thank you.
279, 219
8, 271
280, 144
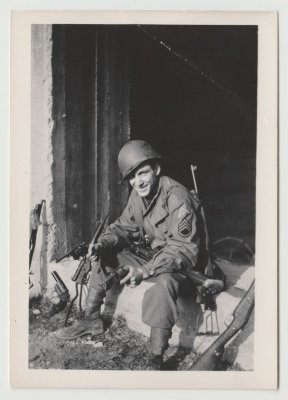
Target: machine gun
80, 276
211, 357
206, 285
78, 251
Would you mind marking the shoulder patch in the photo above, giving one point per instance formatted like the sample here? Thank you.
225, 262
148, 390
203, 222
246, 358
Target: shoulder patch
184, 228
182, 212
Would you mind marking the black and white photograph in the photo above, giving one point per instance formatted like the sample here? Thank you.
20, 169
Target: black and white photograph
144, 149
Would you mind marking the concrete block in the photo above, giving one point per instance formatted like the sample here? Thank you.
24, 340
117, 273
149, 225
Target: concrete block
127, 302
240, 350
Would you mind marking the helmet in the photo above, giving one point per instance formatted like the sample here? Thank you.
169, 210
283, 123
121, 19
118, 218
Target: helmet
133, 154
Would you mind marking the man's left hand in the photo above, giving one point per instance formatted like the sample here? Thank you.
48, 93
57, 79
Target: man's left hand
133, 278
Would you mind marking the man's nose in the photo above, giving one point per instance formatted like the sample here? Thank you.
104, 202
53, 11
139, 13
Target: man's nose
139, 180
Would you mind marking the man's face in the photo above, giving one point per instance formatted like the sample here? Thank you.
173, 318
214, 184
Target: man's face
145, 179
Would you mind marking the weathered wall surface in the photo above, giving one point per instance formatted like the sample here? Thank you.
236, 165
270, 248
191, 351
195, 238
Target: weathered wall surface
73, 66
41, 111
41, 148
80, 119
113, 124
91, 114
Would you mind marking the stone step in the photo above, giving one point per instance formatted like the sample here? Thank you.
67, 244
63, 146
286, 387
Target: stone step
127, 302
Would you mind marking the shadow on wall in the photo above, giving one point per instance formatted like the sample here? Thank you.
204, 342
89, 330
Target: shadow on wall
44, 251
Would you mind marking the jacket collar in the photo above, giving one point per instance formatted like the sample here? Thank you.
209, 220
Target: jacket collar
161, 210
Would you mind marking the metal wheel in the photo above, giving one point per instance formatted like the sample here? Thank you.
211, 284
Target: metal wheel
233, 249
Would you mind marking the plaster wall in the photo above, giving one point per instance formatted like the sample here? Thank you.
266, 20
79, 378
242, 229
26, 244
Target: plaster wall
79, 121
41, 147
41, 109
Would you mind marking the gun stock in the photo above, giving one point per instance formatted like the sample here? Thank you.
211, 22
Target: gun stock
210, 358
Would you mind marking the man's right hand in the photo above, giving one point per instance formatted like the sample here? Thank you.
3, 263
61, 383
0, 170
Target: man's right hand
133, 278
93, 251
214, 285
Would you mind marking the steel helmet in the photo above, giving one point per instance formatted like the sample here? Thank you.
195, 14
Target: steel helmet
133, 154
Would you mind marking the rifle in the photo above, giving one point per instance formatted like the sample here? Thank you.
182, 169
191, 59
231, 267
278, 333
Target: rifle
211, 269
34, 224
210, 358
80, 276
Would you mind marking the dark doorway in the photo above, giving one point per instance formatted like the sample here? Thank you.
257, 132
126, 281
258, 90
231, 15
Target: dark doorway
91, 123
191, 91
193, 96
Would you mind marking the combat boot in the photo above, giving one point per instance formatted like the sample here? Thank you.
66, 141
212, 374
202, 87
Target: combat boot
92, 322
158, 344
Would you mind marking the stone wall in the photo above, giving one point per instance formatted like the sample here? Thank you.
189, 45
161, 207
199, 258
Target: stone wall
41, 147
79, 121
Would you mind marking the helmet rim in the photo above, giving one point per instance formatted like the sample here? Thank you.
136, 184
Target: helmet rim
133, 154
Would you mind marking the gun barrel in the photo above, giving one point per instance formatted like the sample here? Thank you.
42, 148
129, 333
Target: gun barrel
193, 168
99, 230
78, 271
57, 277
60, 286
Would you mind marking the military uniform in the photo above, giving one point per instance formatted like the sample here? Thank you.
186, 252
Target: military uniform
174, 226
171, 221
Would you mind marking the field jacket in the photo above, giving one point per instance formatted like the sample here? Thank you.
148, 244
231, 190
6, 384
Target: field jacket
172, 222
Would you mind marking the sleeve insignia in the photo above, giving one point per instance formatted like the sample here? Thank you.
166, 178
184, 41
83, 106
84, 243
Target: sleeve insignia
184, 228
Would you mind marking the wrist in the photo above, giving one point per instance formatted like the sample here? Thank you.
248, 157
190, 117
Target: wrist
98, 246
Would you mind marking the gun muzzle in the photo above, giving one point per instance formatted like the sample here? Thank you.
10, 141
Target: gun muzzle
60, 286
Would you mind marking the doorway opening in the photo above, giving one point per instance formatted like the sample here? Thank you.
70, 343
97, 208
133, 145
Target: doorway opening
193, 95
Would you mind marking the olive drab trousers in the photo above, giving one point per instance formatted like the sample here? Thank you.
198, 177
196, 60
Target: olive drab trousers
159, 306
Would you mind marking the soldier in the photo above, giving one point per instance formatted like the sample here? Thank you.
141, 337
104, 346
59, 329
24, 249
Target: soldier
163, 213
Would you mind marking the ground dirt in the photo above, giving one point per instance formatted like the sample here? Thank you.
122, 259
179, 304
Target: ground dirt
119, 348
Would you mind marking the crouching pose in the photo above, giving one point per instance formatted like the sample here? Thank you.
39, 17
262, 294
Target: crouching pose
163, 214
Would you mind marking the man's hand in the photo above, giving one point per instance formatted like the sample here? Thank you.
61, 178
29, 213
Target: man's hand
93, 251
133, 278
214, 285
